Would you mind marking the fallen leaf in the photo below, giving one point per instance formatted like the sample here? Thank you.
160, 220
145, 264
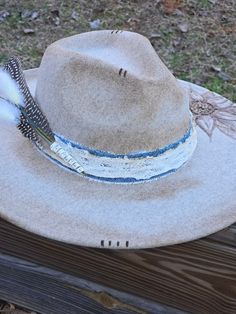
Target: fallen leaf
3, 15
12, 306
54, 19
176, 42
215, 68
133, 22
178, 12
75, 15
34, 15
224, 76
95, 24
154, 36
26, 14
171, 5
28, 31
183, 27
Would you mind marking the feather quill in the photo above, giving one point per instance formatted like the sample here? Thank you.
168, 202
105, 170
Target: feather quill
9, 112
33, 123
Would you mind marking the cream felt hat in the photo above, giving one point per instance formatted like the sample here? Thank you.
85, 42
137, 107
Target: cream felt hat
116, 152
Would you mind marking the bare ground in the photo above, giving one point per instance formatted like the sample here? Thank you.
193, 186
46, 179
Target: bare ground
195, 38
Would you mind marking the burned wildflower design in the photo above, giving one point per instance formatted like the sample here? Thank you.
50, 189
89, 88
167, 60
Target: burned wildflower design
212, 111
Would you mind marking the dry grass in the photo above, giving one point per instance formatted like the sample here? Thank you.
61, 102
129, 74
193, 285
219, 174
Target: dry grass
195, 38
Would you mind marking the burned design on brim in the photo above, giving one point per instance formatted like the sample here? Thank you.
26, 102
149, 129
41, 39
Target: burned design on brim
212, 111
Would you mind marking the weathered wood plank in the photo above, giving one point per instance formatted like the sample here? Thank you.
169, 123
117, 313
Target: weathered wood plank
48, 291
197, 277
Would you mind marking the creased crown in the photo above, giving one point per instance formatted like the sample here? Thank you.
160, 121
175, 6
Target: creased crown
110, 91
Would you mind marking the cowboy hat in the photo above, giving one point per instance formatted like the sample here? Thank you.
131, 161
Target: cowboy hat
116, 152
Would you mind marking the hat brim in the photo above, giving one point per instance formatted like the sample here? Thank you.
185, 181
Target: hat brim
197, 200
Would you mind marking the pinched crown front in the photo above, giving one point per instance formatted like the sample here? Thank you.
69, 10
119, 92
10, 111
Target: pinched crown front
110, 91
116, 113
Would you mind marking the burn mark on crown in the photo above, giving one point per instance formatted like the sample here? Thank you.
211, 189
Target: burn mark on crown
122, 72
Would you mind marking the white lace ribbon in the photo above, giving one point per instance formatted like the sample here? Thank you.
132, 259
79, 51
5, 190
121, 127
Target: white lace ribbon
126, 168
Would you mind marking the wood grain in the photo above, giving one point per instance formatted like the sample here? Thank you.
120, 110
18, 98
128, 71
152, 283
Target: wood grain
48, 291
196, 277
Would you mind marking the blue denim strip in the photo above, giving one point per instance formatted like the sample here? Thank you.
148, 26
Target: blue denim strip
100, 153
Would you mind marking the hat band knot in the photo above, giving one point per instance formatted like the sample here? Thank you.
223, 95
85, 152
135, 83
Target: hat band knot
130, 168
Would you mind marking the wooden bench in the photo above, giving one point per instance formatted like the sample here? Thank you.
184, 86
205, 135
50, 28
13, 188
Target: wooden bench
52, 277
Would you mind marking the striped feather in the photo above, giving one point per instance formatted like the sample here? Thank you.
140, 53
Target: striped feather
33, 123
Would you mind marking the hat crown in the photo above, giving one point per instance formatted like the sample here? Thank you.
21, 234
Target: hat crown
110, 91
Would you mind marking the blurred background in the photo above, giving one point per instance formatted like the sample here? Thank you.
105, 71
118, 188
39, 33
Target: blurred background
196, 39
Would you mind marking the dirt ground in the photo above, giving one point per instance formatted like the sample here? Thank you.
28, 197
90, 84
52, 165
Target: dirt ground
8, 308
196, 39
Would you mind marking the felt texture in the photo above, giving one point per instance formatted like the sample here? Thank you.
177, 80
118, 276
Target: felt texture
197, 200
110, 91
